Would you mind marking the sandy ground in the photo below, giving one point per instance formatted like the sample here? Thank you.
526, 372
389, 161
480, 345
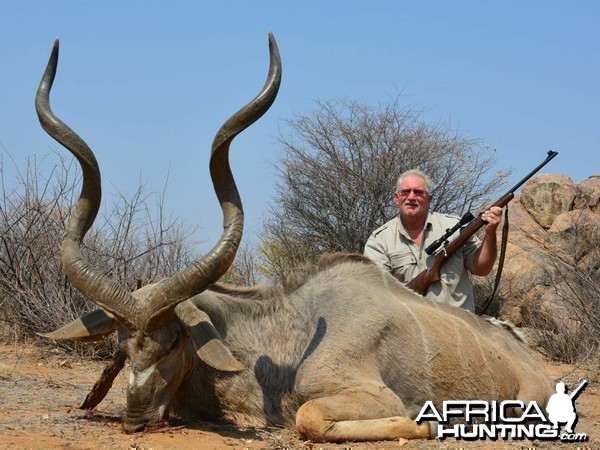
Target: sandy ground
41, 388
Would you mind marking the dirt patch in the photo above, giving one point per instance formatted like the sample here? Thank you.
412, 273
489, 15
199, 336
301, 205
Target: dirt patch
40, 390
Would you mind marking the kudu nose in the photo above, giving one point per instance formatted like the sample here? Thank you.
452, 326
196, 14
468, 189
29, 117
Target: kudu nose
134, 427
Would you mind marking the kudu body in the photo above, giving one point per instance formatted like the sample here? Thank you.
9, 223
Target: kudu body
349, 355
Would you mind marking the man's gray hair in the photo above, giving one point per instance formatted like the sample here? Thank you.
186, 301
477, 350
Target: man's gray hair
423, 175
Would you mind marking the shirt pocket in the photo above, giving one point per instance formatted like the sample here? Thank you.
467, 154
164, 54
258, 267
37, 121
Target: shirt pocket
403, 265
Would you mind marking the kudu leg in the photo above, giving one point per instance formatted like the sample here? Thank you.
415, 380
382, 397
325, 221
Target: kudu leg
372, 414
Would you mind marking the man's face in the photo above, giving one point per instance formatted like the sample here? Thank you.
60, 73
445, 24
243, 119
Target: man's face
412, 198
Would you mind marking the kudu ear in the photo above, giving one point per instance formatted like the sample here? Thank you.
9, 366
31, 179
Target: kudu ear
92, 326
208, 343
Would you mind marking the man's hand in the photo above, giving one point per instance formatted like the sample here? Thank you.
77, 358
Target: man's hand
492, 217
486, 255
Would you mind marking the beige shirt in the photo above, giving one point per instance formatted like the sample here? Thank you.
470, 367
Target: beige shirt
391, 247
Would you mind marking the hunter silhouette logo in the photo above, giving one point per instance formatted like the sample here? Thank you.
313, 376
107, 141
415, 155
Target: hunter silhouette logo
509, 419
561, 406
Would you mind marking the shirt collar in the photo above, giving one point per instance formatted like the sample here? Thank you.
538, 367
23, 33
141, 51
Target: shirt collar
402, 230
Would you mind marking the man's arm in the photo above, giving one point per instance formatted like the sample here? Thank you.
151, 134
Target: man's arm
484, 259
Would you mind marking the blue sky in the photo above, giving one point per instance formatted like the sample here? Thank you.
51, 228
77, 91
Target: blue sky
147, 83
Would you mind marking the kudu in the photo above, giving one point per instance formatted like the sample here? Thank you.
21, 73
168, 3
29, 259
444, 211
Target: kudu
349, 355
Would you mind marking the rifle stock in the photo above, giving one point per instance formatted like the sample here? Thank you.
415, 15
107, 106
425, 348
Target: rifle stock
420, 284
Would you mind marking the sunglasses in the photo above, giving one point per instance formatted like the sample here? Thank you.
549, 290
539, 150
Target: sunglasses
417, 192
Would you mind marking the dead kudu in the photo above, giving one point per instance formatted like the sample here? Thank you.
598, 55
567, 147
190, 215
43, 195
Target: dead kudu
349, 355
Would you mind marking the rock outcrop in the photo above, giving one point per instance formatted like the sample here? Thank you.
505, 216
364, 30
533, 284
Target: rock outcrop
554, 229
547, 196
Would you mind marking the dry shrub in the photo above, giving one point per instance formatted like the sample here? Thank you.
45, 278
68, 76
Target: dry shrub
338, 172
132, 241
245, 269
561, 312
567, 327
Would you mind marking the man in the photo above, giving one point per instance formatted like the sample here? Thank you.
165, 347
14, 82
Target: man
399, 245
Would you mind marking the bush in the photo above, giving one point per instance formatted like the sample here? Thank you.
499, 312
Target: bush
132, 241
338, 174
568, 329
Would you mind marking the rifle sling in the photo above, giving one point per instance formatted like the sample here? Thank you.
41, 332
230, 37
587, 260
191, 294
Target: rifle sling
488, 301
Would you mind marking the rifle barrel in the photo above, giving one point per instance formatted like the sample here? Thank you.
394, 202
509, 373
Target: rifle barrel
551, 154
477, 223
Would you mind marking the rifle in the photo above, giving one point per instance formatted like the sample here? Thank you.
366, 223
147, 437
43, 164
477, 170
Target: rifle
420, 284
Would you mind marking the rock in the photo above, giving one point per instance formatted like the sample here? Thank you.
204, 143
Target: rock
553, 246
546, 196
573, 234
589, 194
573, 221
522, 223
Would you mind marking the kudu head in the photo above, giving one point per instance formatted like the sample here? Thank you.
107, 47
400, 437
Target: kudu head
154, 323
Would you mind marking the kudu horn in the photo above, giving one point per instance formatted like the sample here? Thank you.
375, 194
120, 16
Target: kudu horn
96, 285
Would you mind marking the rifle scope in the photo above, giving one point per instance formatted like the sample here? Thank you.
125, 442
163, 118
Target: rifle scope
463, 221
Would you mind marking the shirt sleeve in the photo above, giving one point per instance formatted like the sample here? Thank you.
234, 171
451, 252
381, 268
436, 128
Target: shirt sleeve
469, 250
375, 251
